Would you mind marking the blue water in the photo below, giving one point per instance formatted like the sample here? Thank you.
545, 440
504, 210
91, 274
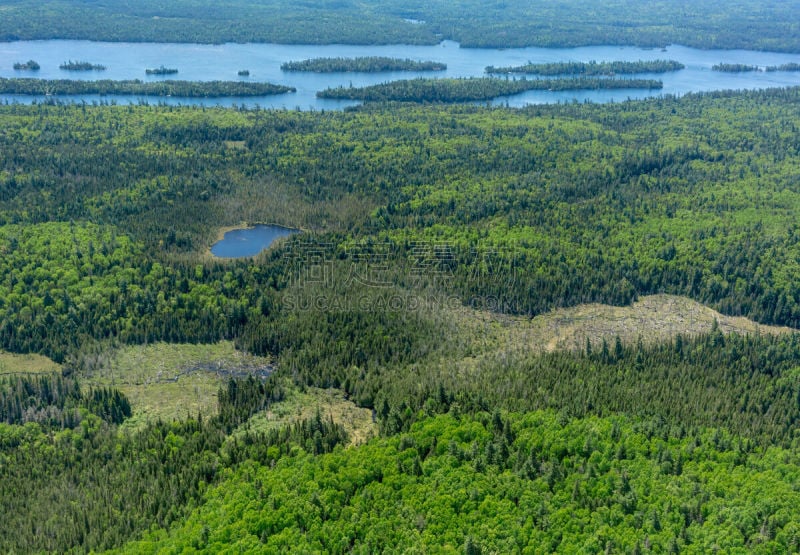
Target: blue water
202, 62
242, 243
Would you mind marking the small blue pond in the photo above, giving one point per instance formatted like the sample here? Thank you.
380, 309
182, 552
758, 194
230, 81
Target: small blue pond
241, 243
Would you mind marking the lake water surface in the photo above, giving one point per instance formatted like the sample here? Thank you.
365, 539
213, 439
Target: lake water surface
202, 62
245, 242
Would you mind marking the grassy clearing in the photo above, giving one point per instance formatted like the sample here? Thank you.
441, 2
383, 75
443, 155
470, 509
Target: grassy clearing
301, 405
173, 381
170, 381
26, 364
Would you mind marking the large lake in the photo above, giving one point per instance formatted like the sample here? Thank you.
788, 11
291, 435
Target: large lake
212, 62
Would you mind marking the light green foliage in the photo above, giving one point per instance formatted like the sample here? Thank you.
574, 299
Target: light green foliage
55, 272
65, 282
526, 483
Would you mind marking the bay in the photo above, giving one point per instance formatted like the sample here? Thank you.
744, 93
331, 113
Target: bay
203, 62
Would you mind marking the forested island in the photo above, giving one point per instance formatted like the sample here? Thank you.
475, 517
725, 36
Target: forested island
81, 66
30, 65
187, 89
161, 70
475, 88
791, 66
590, 68
734, 68
367, 64
747, 24
739, 68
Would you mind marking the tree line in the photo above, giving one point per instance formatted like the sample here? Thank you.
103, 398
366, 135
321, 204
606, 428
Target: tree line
53, 401
704, 24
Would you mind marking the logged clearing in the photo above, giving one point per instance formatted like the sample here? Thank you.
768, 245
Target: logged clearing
303, 405
11, 364
172, 381
651, 319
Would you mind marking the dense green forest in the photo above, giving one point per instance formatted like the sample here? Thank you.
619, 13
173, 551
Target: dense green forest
57, 402
575, 203
364, 64
188, 89
747, 24
471, 89
522, 483
88, 486
426, 230
614, 472
591, 68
